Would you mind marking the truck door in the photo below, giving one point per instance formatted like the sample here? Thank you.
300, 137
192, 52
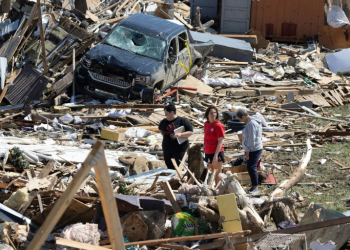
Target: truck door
184, 56
171, 67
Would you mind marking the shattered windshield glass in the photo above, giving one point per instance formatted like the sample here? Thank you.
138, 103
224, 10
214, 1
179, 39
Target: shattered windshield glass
136, 42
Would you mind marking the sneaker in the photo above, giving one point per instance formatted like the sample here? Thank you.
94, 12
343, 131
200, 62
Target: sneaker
250, 189
254, 191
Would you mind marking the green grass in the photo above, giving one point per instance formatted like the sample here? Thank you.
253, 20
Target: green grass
332, 197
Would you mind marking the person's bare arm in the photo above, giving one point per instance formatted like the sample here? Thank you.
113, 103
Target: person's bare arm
184, 134
162, 132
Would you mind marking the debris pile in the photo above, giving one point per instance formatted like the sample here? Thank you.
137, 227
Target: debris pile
84, 85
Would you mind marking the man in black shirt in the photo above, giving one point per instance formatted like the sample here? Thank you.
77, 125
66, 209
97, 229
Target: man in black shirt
171, 146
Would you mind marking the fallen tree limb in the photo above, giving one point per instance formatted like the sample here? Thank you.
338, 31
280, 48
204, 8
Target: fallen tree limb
296, 176
248, 215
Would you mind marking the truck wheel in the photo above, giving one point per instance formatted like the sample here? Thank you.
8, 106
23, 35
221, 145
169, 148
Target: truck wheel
193, 71
84, 24
148, 95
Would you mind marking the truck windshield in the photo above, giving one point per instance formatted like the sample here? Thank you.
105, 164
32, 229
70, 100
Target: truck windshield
136, 42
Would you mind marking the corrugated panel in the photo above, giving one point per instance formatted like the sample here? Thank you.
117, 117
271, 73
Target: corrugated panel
29, 84
287, 20
235, 16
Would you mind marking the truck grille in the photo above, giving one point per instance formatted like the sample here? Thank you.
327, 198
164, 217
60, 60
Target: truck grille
110, 80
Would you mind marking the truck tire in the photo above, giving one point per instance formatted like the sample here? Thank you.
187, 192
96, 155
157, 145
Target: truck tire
148, 96
193, 71
84, 24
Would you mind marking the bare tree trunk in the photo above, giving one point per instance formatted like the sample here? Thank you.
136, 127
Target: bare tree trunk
195, 161
296, 176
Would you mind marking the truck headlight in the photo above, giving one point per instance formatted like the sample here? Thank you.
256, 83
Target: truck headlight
142, 79
97, 68
86, 62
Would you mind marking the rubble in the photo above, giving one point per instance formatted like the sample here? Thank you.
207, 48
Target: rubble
83, 88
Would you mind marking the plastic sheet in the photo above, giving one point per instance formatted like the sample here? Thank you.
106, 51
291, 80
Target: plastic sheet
336, 17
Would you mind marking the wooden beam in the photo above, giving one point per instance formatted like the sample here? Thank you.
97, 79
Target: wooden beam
178, 17
3, 93
171, 196
33, 194
96, 159
178, 171
292, 230
109, 204
186, 238
304, 114
42, 38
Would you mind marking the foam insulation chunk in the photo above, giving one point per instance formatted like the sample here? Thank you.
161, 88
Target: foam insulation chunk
17, 199
85, 233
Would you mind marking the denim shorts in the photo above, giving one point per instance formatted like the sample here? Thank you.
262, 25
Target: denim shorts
209, 157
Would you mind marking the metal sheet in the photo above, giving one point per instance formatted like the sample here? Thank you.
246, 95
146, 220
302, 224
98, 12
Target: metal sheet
7, 27
288, 20
339, 61
131, 203
209, 9
230, 48
29, 84
235, 16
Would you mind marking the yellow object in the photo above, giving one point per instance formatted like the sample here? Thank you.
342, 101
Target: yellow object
112, 135
187, 69
228, 208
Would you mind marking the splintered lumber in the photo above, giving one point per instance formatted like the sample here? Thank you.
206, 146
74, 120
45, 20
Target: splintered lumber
304, 114
95, 159
42, 38
178, 17
33, 194
178, 171
171, 196
186, 238
296, 176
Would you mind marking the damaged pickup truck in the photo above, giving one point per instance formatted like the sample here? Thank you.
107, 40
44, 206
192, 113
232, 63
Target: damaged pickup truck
140, 54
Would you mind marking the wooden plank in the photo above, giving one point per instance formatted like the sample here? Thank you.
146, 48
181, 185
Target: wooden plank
76, 244
292, 230
186, 238
3, 93
178, 171
178, 17
109, 204
317, 117
171, 197
33, 194
46, 170
93, 159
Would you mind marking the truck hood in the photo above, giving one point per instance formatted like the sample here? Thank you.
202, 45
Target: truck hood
110, 56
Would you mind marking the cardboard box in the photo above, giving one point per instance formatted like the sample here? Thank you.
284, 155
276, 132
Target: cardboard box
244, 177
236, 169
112, 135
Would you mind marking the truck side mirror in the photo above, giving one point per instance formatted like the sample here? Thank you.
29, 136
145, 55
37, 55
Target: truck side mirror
172, 59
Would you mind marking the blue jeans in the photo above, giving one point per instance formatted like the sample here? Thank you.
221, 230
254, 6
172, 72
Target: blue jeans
252, 166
